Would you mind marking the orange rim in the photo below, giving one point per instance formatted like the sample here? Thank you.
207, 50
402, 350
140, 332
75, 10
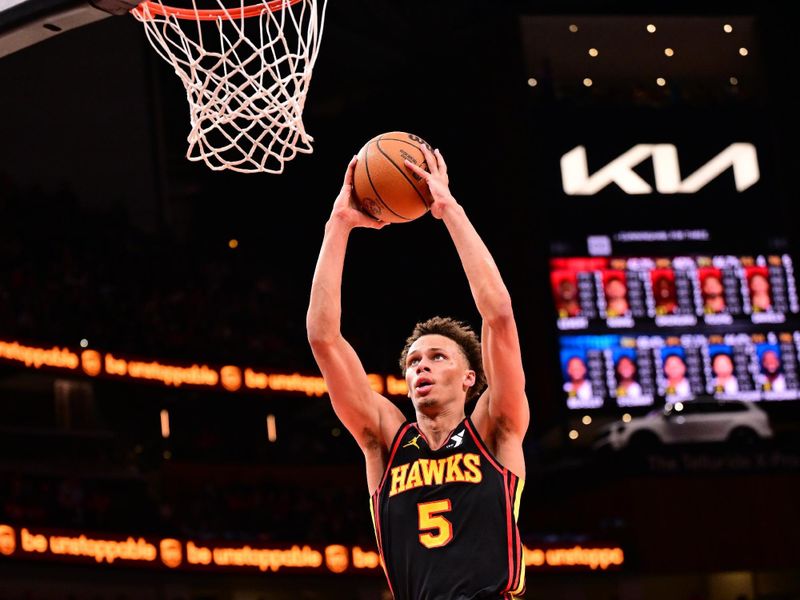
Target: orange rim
150, 10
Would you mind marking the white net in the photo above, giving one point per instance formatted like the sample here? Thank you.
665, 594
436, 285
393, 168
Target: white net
246, 70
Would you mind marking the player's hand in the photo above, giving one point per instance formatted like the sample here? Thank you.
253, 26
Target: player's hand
437, 180
345, 209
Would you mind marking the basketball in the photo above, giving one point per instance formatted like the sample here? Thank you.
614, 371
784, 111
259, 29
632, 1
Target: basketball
383, 186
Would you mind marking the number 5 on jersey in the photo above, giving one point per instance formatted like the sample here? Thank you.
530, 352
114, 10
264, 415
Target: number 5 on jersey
438, 531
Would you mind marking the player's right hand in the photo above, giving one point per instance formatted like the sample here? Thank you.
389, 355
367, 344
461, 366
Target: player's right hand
345, 207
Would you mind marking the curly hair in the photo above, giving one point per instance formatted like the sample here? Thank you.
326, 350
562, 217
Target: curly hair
463, 335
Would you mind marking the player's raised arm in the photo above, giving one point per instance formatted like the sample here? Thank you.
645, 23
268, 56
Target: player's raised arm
504, 401
368, 416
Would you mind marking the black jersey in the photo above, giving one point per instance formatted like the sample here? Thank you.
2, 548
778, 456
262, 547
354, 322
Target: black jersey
446, 520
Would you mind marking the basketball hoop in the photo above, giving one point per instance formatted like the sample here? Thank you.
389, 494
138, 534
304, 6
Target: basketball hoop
246, 71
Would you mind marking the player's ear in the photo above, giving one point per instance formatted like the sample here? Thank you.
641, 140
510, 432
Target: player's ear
469, 379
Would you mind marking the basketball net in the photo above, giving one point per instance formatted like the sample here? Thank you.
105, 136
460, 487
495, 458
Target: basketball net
246, 71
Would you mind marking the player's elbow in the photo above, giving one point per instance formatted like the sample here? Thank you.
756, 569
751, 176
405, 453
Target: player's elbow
319, 339
319, 335
500, 313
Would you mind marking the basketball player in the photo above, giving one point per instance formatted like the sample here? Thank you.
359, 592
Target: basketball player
445, 489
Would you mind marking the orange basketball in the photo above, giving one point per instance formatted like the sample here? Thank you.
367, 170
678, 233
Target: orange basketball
383, 186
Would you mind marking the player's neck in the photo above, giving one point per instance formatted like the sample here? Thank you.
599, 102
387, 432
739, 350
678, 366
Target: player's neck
438, 426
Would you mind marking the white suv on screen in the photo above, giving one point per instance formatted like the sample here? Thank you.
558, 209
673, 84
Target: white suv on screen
692, 421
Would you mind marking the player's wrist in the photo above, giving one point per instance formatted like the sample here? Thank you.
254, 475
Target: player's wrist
340, 221
449, 207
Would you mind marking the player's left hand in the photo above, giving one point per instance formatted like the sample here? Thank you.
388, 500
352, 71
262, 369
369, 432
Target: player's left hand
437, 180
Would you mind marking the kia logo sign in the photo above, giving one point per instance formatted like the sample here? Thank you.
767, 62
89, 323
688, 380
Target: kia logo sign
577, 181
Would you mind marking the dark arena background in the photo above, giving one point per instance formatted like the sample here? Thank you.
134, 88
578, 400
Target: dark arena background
164, 432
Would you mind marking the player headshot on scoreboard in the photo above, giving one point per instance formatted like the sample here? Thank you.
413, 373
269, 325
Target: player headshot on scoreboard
626, 375
724, 374
616, 292
664, 294
712, 291
577, 384
770, 377
759, 288
674, 366
565, 292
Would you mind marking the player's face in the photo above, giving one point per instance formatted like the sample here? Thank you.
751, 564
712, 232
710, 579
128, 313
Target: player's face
713, 294
723, 365
770, 362
616, 290
663, 289
674, 368
626, 368
712, 287
759, 284
576, 369
437, 371
566, 290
